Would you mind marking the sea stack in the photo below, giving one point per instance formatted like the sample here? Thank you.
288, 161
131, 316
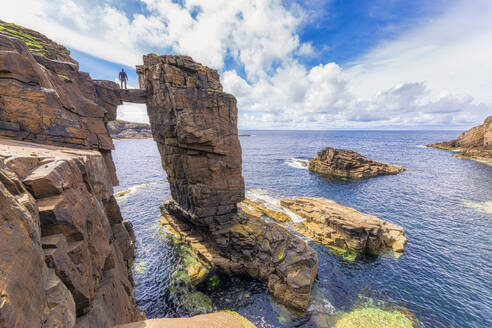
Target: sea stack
347, 164
195, 126
475, 143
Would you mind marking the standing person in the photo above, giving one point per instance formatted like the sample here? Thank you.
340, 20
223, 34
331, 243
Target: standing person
123, 78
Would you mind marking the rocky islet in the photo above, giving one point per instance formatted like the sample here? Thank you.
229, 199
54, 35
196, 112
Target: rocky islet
347, 164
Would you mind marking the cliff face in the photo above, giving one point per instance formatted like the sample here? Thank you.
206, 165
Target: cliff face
65, 249
195, 126
475, 143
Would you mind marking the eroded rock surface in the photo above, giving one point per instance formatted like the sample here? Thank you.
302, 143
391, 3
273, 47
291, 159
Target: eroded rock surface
332, 224
195, 126
475, 143
73, 228
44, 98
343, 163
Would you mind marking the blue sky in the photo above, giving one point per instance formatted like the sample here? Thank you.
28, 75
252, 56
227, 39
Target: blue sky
325, 64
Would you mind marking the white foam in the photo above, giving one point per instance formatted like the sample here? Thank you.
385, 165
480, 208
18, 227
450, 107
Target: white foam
271, 202
485, 207
421, 146
297, 163
125, 193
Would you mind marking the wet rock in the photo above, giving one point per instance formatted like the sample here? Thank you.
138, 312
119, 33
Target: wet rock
475, 143
335, 225
262, 250
345, 164
250, 206
373, 318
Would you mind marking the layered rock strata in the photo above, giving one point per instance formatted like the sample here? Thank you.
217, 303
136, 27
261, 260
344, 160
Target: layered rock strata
475, 143
347, 164
44, 98
195, 126
66, 250
72, 249
332, 224
129, 130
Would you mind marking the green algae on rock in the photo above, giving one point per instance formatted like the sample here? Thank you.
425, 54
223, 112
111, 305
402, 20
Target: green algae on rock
372, 317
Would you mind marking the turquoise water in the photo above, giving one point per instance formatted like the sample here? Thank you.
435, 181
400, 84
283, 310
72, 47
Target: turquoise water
444, 203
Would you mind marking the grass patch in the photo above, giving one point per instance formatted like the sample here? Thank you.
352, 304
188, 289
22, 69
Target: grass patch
33, 43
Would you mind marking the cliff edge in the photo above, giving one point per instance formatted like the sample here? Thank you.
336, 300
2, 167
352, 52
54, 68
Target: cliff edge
475, 143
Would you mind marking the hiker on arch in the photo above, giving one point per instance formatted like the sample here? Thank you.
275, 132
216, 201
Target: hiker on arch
123, 78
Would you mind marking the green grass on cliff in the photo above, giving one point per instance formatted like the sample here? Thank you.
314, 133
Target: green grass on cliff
32, 42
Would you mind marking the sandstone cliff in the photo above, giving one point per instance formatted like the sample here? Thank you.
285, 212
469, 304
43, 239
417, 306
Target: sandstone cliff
345, 164
65, 248
195, 126
129, 130
475, 143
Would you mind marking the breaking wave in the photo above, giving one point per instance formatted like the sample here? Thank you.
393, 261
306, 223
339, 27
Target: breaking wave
133, 189
271, 202
297, 163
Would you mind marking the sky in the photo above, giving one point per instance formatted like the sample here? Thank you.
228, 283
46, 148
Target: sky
292, 64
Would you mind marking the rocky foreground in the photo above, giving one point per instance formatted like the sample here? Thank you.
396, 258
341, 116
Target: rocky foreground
347, 164
475, 143
129, 130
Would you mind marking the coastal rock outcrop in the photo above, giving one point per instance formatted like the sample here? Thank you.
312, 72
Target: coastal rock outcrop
347, 164
332, 224
65, 248
475, 143
129, 130
195, 126
74, 229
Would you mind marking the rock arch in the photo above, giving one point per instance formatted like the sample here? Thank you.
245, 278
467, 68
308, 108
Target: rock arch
46, 102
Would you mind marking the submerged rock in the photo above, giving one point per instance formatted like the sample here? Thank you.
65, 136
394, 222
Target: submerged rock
332, 224
373, 318
475, 143
345, 164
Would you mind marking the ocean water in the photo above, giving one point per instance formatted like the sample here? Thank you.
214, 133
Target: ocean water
444, 278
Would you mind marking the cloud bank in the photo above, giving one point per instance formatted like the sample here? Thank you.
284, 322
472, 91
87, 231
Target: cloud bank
437, 74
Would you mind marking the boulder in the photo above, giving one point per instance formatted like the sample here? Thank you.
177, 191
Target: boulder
347, 164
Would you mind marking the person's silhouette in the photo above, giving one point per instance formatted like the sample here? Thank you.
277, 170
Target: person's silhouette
123, 78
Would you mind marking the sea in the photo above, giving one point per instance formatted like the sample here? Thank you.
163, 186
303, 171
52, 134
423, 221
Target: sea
443, 279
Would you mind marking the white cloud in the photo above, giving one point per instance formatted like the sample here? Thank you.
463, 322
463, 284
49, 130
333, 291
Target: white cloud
437, 74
